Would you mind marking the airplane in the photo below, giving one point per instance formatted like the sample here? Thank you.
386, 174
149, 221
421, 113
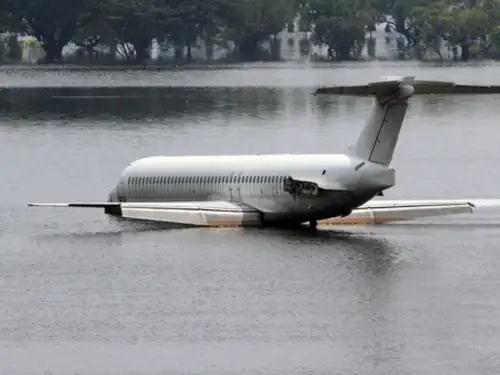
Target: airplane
288, 189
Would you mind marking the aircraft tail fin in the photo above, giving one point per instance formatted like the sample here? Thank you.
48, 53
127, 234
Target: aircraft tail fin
378, 139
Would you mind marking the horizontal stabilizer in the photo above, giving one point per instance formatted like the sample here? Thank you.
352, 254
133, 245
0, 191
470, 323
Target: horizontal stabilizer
390, 84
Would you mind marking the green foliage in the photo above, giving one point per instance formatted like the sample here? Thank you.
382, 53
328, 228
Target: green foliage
254, 21
339, 24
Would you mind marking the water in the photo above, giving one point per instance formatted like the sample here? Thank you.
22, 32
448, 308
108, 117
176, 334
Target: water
83, 293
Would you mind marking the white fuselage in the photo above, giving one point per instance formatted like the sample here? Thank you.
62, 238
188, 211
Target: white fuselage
272, 184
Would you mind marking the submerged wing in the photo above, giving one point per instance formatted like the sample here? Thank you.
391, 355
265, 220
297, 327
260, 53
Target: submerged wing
209, 213
386, 211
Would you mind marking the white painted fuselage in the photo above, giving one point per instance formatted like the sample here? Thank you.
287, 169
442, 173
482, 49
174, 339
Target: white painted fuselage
283, 187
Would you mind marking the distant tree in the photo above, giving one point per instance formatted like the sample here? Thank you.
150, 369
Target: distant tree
340, 24
52, 22
254, 21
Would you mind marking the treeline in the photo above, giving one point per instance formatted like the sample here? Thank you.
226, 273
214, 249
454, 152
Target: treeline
246, 24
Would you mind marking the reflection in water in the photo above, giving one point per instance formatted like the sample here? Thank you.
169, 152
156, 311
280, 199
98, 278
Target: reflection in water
372, 255
142, 103
131, 103
169, 102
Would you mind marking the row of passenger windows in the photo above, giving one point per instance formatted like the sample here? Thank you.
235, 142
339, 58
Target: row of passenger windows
165, 180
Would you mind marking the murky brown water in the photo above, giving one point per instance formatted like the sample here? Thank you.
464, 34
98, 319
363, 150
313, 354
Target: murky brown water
82, 293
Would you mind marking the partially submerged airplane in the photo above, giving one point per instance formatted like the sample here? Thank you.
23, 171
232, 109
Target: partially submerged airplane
286, 189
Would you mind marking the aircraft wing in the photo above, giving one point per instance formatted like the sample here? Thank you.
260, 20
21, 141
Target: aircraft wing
221, 213
206, 213
386, 211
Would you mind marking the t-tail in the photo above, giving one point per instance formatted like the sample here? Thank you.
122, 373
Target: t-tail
378, 139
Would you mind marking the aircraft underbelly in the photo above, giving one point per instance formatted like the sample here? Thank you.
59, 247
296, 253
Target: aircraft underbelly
325, 205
